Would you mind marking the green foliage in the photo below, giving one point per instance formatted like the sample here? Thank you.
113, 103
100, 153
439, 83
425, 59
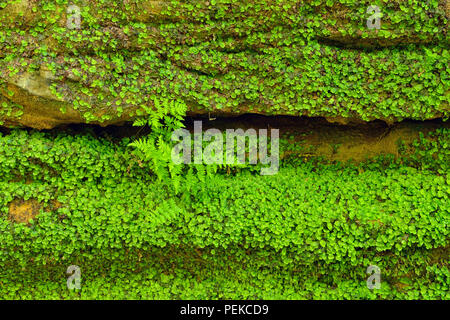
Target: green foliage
155, 149
236, 56
9, 110
308, 232
141, 227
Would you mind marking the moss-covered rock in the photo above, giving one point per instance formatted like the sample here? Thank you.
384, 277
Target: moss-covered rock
314, 58
310, 231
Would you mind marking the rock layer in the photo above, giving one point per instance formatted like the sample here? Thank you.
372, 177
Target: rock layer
127, 59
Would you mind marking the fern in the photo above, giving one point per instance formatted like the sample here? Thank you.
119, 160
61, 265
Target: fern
154, 150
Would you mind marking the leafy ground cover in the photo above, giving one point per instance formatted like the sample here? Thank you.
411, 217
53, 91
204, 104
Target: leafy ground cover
314, 58
140, 226
308, 232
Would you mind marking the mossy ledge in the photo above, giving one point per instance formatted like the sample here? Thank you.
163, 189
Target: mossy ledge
308, 232
226, 57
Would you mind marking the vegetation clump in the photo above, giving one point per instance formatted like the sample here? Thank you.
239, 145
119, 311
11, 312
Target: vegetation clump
141, 226
308, 232
314, 58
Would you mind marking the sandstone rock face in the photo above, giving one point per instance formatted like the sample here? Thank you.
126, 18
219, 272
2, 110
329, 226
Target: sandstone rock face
110, 62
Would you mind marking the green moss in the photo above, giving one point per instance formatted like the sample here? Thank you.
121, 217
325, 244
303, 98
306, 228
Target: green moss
141, 227
255, 56
311, 216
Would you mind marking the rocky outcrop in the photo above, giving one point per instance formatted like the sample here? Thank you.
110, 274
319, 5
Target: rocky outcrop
117, 60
